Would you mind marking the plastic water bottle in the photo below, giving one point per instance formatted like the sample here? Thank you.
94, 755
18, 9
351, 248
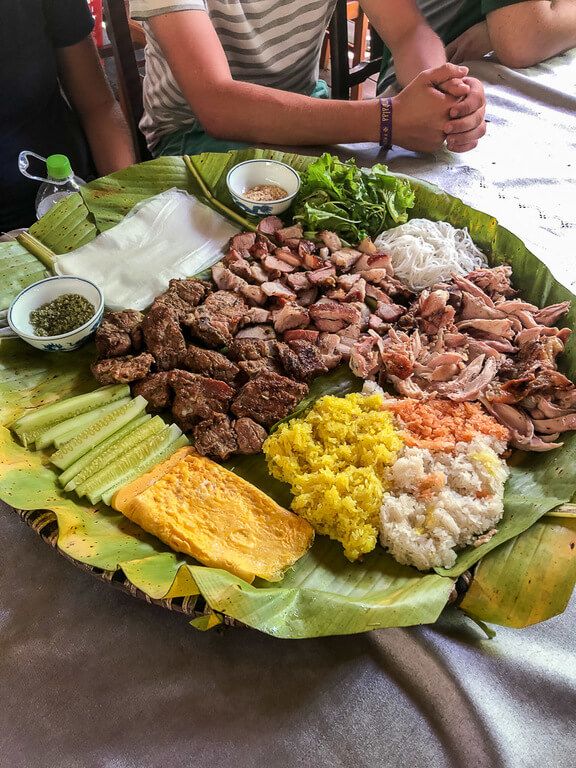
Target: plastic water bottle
60, 183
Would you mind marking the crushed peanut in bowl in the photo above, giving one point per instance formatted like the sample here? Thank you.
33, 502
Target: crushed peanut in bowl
265, 193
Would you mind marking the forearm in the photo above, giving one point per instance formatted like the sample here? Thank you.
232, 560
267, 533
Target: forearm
255, 114
421, 49
82, 79
109, 138
529, 32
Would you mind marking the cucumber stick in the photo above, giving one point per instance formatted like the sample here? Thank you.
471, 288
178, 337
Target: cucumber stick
131, 459
107, 456
145, 466
97, 432
83, 462
66, 430
61, 410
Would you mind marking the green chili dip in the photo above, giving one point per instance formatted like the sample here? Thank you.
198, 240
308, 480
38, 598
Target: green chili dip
61, 315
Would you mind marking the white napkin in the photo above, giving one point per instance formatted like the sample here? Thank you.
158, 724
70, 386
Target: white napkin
169, 235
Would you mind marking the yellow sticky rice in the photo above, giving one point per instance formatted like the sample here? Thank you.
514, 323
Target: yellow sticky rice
334, 460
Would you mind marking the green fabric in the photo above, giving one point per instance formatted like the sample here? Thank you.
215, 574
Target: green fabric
194, 141
472, 12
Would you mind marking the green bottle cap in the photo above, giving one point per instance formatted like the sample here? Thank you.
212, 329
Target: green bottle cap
58, 167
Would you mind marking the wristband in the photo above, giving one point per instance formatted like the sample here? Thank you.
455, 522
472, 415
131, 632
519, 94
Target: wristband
386, 123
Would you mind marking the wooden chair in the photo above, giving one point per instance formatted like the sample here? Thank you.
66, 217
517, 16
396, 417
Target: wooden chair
121, 37
343, 78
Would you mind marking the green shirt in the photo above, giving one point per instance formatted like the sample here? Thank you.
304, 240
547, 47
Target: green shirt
455, 21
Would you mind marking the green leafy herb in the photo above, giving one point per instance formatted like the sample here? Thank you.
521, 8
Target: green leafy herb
340, 197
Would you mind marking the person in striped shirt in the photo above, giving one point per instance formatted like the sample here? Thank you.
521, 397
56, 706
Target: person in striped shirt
226, 73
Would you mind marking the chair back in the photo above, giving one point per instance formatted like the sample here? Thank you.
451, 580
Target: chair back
128, 73
343, 78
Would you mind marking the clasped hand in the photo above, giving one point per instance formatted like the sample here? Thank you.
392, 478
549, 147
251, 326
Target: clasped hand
440, 105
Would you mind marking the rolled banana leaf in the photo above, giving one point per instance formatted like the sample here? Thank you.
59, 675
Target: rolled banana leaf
323, 593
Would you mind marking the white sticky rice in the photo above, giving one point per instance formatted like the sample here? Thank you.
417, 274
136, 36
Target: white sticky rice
439, 502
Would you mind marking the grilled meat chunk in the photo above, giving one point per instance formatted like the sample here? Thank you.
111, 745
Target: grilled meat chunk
215, 437
268, 398
251, 349
256, 315
265, 332
345, 258
302, 360
228, 281
324, 277
269, 225
239, 265
364, 358
389, 313
155, 388
289, 257
243, 241
209, 363
215, 321
298, 281
183, 295
331, 316
289, 317
472, 381
255, 356
369, 261
290, 236
277, 267
250, 435
122, 370
301, 333
257, 367
197, 398
331, 240
277, 289
120, 333
163, 337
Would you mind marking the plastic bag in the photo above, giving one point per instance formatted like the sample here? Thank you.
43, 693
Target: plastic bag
169, 235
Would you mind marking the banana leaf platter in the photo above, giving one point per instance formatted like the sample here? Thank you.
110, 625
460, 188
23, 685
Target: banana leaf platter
523, 575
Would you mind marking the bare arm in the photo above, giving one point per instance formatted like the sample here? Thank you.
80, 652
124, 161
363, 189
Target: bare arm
234, 110
529, 32
416, 48
414, 45
85, 84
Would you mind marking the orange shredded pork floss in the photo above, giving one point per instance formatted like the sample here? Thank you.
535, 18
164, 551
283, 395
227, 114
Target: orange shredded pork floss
439, 424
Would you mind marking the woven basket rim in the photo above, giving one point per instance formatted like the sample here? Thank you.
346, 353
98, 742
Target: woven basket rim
45, 524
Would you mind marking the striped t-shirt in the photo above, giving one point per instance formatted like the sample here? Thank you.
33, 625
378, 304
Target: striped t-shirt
275, 43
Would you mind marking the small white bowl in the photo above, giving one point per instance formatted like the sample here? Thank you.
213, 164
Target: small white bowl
248, 174
46, 290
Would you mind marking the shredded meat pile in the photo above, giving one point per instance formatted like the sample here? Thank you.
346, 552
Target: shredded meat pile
472, 340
